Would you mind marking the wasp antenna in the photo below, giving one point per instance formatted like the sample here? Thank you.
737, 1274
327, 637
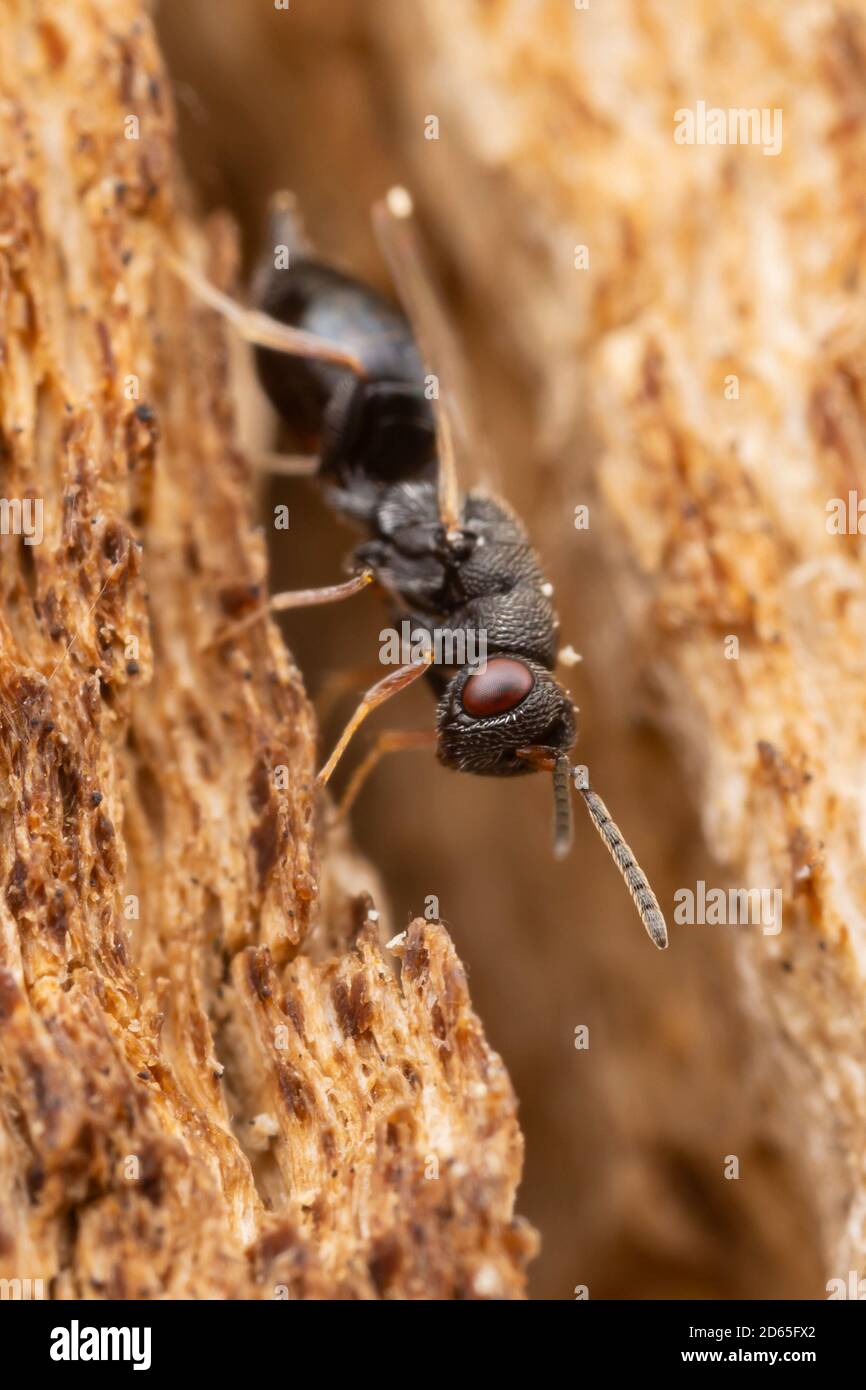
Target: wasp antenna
285, 224
636, 880
392, 219
563, 826
260, 329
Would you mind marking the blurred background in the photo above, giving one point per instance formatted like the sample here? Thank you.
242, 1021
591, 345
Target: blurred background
626, 1142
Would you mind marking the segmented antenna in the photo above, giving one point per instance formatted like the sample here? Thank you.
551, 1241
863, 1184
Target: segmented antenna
563, 825
393, 220
636, 880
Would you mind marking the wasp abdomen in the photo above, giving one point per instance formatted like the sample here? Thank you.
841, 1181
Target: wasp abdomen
375, 429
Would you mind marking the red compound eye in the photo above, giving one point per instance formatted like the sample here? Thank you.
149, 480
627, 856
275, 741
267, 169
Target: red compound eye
497, 689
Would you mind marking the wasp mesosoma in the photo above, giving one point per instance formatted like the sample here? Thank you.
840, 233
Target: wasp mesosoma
347, 369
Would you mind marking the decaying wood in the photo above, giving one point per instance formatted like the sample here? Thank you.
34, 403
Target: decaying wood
192, 1104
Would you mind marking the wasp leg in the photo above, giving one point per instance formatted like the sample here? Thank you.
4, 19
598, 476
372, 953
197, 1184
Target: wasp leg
389, 741
348, 681
390, 685
295, 598
260, 329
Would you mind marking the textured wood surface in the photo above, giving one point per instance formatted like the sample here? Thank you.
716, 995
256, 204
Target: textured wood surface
191, 1105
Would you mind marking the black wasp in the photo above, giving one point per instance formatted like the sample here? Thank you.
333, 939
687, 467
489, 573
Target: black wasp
342, 366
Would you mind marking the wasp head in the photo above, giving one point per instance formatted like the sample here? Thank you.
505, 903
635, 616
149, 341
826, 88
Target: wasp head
488, 717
